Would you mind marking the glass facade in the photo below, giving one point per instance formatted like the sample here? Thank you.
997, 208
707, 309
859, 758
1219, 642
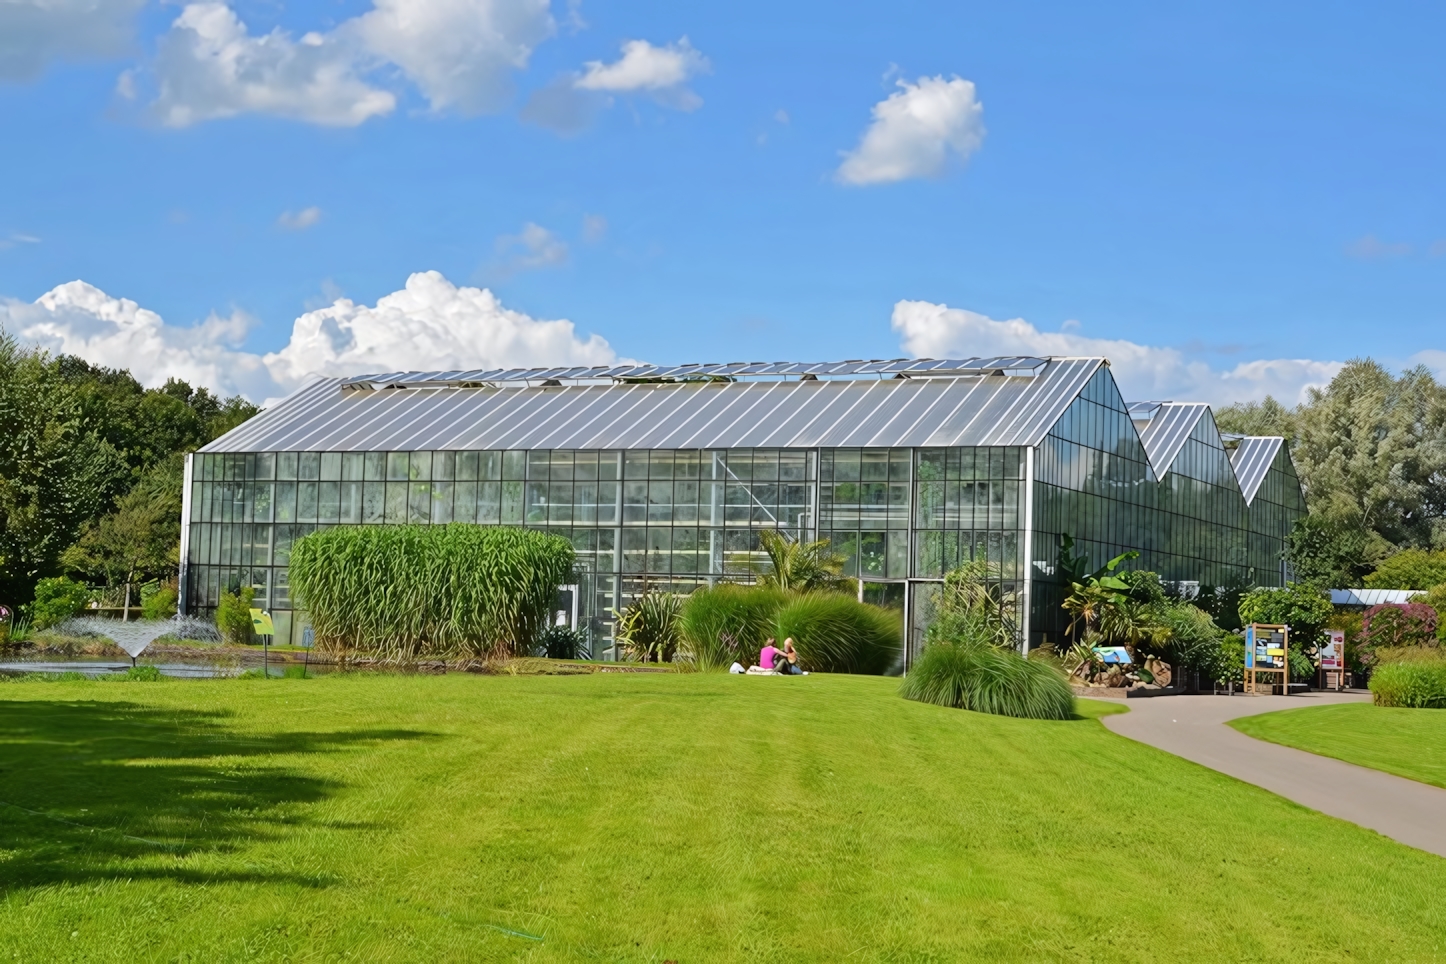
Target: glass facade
677, 518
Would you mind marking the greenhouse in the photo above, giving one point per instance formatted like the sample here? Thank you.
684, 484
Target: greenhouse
663, 477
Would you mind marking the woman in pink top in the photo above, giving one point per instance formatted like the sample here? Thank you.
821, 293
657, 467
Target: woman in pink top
767, 654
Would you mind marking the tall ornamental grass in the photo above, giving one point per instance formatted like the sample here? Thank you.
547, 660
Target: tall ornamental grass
964, 670
726, 623
835, 633
1415, 679
402, 593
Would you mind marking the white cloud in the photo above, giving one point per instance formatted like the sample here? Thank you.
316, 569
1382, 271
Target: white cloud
1143, 372
645, 67
80, 319
429, 324
299, 220
532, 247
594, 228
208, 66
568, 104
458, 53
914, 132
1372, 248
33, 33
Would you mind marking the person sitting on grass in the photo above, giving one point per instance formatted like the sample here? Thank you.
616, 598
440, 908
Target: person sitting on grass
768, 656
789, 665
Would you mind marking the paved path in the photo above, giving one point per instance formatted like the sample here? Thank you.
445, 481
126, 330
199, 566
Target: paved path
1194, 727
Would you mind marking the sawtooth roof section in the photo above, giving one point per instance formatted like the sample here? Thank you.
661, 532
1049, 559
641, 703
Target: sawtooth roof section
1163, 428
1251, 461
958, 410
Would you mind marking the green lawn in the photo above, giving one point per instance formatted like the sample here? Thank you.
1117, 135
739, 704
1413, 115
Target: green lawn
652, 818
1408, 743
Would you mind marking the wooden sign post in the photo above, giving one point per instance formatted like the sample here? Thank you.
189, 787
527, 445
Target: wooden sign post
1267, 652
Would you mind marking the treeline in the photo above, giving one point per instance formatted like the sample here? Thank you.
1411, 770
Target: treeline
1371, 450
91, 467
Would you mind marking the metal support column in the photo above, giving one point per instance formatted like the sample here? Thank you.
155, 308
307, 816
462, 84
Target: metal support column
1025, 596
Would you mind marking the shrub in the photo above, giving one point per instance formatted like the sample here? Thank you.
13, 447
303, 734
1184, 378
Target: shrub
1391, 625
56, 600
233, 616
726, 623
835, 633
160, 604
1411, 678
968, 673
399, 593
648, 630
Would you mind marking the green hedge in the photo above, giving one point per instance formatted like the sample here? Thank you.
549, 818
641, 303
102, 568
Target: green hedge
1417, 681
963, 669
402, 593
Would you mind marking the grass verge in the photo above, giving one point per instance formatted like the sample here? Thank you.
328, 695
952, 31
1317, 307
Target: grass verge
1409, 743
652, 817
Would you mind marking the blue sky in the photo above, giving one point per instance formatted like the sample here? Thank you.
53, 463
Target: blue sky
1208, 186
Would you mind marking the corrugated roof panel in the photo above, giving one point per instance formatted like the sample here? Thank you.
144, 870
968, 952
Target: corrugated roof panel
1251, 461
1167, 430
967, 409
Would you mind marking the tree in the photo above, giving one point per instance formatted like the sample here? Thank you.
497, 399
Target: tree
140, 538
1410, 569
1327, 552
55, 473
1371, 452
1305, 609
801, 566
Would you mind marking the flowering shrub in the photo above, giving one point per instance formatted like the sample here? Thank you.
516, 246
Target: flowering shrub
1391, 625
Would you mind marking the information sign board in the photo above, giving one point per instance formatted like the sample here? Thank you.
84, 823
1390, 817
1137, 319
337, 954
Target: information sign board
1333, 651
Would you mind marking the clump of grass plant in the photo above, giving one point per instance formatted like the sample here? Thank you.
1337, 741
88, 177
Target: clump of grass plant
969, 673
403, 593
835, 633
1411, 677
726, 623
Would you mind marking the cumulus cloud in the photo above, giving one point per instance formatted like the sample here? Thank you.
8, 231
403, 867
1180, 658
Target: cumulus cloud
299, 220
915, 131
34, 33
1144, 372
458, 53
568, 104
429, 324
209, 66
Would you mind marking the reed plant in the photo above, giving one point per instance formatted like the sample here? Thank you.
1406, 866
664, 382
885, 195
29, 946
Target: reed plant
403, 593
835, 633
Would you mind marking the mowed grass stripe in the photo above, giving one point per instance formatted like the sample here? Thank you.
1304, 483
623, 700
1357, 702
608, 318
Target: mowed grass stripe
649, 817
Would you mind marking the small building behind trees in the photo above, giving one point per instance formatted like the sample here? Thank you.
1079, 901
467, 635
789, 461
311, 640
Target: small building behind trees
664, 477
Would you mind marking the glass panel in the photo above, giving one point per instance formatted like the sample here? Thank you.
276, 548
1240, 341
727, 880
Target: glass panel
330, 466
309, 466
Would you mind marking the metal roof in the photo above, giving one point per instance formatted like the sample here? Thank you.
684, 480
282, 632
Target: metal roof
1163, 428
964, 410
1371, 597
908, 367
1251, 461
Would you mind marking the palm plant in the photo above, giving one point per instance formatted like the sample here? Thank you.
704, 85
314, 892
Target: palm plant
648, 630
800, 566
975, 589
